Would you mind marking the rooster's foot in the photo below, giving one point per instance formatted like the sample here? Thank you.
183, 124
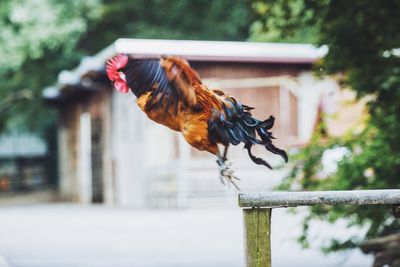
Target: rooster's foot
226, 174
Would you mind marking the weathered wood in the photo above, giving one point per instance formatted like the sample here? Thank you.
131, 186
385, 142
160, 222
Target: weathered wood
293, 199
381, 243
257, 224
386, 250
257, 220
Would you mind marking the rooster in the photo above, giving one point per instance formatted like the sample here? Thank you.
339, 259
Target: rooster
171, 93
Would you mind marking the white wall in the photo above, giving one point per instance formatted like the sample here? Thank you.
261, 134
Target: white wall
146, 168
84, 159
128, 151
309, 93
66, 182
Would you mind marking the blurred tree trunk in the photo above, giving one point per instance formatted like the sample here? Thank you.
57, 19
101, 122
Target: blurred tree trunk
385, 249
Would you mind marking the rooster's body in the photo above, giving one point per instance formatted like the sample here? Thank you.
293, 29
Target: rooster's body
171, 93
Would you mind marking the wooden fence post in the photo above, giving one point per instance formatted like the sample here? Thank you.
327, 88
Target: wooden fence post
257, 233
257, 213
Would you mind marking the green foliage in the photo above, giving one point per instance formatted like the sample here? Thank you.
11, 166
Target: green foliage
54, 24
363, 40
362, 167
279, 22
39, 38
166, 19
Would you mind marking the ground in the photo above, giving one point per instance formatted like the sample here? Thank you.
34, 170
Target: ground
67, 235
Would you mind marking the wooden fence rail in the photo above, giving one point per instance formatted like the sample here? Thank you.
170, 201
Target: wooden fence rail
257, 209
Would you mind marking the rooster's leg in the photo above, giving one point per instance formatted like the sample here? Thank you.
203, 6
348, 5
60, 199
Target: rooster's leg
225, 172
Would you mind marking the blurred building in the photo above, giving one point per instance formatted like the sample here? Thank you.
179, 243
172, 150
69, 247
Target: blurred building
109, 151
23, 163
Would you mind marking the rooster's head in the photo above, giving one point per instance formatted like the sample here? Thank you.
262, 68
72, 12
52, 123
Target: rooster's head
115, 74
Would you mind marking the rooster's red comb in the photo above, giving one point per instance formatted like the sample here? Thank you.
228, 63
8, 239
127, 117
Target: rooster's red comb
114, 64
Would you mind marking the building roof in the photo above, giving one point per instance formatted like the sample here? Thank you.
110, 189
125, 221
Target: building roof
222, 50
22, 145
217, 51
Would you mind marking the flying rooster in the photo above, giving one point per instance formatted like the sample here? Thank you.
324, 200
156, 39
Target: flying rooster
171, 93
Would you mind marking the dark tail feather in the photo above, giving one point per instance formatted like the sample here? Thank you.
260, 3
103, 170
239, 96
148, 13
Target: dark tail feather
277, 151
266, 138
262, 128
255, 159
268, 123
236, 125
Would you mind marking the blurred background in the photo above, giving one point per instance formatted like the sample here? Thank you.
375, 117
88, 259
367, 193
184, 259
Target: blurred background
86, 179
